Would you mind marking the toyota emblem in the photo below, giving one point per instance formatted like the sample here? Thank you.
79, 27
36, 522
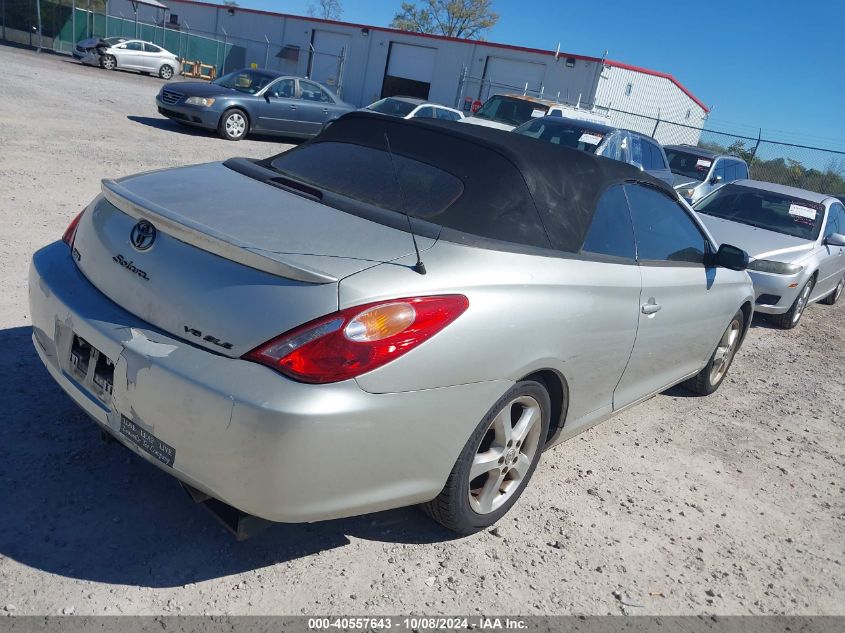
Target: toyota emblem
143, 235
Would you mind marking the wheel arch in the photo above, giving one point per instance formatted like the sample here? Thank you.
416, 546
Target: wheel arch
236, 106
747, 313
558, 389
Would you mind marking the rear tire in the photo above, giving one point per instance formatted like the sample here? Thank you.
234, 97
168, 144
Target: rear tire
234, 125
496, 463
833, 297
708, 379
108, 62
790, 319
165, 72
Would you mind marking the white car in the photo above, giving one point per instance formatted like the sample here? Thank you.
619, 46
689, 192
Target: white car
506, 112
118, 52
413, 108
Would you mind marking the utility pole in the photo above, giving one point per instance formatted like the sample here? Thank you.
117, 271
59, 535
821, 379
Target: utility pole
38, 10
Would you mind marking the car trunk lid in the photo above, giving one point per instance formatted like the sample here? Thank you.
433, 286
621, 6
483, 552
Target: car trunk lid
234, 261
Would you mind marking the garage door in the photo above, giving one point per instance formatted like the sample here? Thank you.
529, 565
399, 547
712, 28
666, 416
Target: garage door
510, 75
410, 70
324, 63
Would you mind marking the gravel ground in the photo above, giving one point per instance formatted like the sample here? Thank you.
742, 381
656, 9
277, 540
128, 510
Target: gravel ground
731, 504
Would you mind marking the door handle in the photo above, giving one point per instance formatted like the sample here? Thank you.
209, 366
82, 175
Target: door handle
293, 107
650, 308
325, 110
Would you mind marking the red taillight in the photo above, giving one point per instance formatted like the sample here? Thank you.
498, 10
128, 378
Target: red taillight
70, 231
357, 340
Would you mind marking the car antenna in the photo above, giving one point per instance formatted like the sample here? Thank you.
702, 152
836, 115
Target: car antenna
419, 266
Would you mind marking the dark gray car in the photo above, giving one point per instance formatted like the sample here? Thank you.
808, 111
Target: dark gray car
604, 140
261, 101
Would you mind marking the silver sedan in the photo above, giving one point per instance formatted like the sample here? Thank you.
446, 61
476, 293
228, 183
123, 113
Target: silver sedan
305, 340
796, 239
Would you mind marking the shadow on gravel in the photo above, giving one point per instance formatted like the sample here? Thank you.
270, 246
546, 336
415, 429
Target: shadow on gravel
77, 507
763, 321
172, 126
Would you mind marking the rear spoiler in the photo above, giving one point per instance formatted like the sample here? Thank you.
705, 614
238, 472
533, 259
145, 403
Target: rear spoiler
207, 239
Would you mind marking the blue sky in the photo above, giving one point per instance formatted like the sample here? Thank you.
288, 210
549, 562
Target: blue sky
779, 65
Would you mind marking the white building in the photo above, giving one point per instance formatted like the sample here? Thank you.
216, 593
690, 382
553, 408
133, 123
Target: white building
364, 63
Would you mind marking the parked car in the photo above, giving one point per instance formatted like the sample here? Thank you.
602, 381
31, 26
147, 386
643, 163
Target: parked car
505, 112
796, 239
261, 101
117, 52
413, 108
596, 138
272, 334
699, 171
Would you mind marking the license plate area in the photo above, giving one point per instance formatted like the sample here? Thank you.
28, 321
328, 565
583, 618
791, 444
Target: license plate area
147, 442
91, 368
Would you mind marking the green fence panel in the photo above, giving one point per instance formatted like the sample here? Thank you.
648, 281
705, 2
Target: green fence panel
57, 21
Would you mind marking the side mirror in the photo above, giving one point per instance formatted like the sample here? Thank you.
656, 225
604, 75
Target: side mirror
715, 180
731, 257
835, 239
267, 97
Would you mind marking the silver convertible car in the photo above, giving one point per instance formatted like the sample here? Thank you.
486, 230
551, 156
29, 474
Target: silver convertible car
796, 239
266, 331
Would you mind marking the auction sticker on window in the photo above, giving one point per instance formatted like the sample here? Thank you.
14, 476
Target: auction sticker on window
536, 112
703, 164
801, 211
147, 442
591, 139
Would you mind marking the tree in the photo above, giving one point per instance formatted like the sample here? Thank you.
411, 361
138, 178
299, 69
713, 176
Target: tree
326, 9
455, 18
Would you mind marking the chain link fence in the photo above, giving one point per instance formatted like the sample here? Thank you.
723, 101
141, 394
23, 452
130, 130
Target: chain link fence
61, 28
795, 164
814, 168
805, 166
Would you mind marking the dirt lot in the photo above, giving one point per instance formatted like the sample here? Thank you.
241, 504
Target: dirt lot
731, 504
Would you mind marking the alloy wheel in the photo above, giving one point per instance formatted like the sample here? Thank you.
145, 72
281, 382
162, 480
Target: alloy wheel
725, 352
109, 62
838, 292
801, 302
166, 72
505, 454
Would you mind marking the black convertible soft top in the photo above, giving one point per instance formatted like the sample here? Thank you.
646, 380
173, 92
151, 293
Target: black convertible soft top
515, 188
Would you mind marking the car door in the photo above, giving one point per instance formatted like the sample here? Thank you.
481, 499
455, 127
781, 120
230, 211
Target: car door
715, 178
608, 287
831, 258
659, 167
684, 307
279, 110
131, 55
152, 57
315, 106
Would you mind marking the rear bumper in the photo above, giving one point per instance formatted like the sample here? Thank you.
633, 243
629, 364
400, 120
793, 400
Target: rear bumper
192, 115
269, 446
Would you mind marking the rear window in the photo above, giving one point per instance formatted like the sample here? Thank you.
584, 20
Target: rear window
365, 174
689, 165
511, 111
568, 135
392, 107
460, 189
